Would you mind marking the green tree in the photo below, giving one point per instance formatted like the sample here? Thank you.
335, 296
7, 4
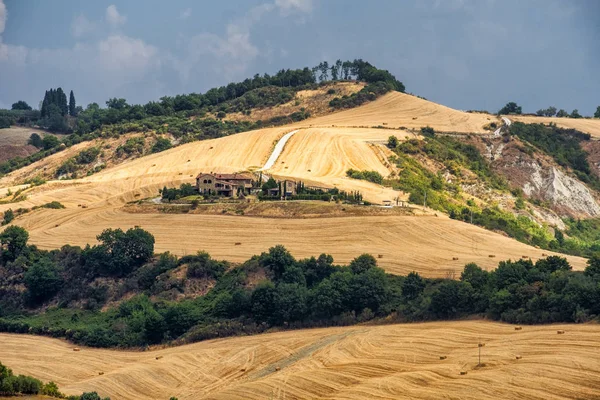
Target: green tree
13, 241
61, 102
552, 264
413, 286
392, 142
562, 113
593, 266
427, 131
597, 113
117, 104
51, 389
277, 260
72, 105
9, 215
290, 303
575, 114
451, 298
362, 263
161, 144
120, 252
263, 301
92, 396
511, 108
42, 280
50, 141
35, 140
270, 184
476, 276
21, 105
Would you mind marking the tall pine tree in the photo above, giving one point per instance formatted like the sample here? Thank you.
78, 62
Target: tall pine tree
72, 104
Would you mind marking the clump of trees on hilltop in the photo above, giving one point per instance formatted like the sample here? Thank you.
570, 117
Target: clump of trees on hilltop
173, 114
291, 293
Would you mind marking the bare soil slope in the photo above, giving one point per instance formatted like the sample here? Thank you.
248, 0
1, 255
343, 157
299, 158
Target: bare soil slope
360, 362
396, 110
591, 126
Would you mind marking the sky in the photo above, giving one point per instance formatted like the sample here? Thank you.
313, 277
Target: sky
466, 54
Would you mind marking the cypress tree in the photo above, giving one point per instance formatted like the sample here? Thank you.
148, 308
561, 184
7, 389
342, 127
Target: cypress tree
61, 101
44, 109
72, 104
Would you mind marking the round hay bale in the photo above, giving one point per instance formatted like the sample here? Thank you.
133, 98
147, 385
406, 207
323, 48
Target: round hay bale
159, 357
454, 258
492, 256
560, 332
518, 328
100, 373
277, 368
443, 357
463, 372
518, 357
76, 349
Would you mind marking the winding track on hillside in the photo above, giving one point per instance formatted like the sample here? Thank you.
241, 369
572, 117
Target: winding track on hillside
277, 150
360, 362
318, 155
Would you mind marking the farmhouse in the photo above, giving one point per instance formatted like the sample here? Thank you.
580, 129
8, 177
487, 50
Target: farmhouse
228, 185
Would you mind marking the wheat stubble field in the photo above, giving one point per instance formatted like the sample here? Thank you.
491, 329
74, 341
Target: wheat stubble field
591, 126
427, 244
360, 362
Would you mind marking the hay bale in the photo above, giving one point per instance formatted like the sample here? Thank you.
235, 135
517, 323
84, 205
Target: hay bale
454, 258
76, 349
518, 328
101, 373
481, 345
379, 255
463, 372
561, 332
443, 357
238, 243
524, 256
277, 368
492, 256
544, 255
158, 357
243, 370
518, 357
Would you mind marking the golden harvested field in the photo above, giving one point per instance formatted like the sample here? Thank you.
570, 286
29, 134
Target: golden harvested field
425, 244
397, 110
591, 126
360, 362
323, 155
406, 243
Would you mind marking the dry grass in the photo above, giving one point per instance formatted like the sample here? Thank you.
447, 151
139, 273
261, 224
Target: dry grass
323, 155
402, 110
407, 243
361, 362
18, 136
591, 126
316, 101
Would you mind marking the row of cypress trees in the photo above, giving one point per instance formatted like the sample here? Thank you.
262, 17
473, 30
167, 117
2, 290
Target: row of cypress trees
58, 98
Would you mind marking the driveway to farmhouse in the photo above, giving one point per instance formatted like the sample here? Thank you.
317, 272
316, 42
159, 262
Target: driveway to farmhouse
277, 150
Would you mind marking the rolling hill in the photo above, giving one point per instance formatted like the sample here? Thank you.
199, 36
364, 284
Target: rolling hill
317, 155
360, 362
591, 126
